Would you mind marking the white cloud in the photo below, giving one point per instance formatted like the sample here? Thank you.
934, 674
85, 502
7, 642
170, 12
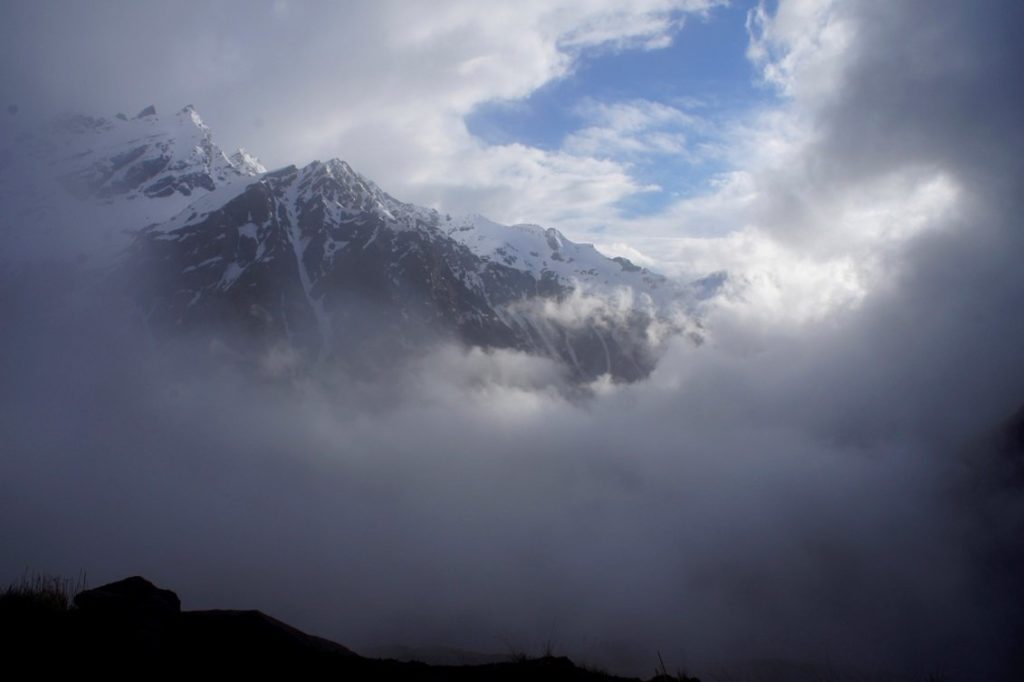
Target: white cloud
384, 85
388, 87
801, 46
802, 239
626, 130
404, 122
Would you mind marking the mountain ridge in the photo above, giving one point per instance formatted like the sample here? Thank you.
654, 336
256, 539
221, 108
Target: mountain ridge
299, 255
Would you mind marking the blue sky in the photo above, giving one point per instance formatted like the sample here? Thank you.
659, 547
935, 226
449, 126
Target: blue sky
704, 72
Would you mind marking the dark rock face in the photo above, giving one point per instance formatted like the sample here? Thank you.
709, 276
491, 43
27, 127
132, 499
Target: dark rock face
627, 264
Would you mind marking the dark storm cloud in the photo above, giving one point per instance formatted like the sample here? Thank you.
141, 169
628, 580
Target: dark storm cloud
829, 496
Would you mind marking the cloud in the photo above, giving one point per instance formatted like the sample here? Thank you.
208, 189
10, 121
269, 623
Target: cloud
817, 208
471, 500
625, 130
384, 85
802, 45
816, 482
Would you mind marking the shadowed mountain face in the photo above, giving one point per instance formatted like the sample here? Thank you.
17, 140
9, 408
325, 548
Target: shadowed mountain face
319, 260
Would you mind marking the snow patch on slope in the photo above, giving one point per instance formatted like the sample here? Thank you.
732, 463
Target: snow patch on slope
79, 188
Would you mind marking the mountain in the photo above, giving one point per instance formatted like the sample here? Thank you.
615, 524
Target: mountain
80, 187
148, 156
323, 262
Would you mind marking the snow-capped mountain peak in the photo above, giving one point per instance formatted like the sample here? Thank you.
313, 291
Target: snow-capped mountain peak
308, 255
148, 155
113, 175
246, 163
547, 252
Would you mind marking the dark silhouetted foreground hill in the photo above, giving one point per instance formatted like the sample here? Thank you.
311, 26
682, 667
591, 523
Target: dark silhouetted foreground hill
132, 626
